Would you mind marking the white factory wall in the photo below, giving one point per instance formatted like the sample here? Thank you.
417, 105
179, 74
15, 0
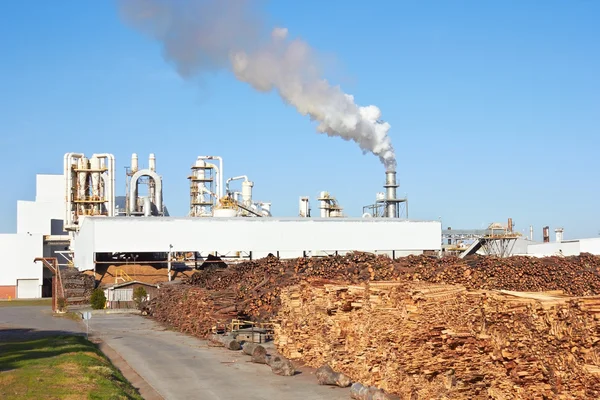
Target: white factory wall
44, 216
50, 189
18, 252
590, 246
289, 237
566, 248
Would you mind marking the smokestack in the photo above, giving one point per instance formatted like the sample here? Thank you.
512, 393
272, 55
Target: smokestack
510, 225
202, 36
546, 234
559, 234
531, 232
390, 189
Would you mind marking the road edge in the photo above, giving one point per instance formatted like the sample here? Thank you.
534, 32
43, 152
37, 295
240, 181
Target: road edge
146, 390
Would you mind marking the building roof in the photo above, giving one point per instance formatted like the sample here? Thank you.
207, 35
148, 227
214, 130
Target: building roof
120, 285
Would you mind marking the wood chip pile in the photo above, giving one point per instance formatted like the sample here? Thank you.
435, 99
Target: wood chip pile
428, 341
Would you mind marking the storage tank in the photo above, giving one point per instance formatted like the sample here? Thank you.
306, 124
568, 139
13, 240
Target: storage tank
82, 163
95, 167
247, 193
224, 213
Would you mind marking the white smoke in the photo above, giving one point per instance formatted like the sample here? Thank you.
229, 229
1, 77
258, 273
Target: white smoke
200, 35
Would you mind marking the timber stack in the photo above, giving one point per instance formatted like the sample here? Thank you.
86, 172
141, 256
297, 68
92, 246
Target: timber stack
251, 290
426, 341
78, 287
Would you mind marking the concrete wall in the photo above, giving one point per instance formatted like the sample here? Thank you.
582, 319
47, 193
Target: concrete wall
227, 236
19, 251
44, 218
8, 292
34, 220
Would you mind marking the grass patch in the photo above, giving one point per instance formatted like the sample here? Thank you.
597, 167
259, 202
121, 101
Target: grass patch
75, 316
59, 367
22, 303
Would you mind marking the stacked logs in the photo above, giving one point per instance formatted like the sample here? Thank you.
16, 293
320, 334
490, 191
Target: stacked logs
425, 341
191, 309
78, 287
250, 290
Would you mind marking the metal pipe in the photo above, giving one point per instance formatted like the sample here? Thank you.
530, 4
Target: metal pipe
531, 232
134, 188
147, 207
110, 192
220, 180
68, 162
235, 178
217, 183
390, 186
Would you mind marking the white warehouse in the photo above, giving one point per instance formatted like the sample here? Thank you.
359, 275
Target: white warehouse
39, 231
251, 238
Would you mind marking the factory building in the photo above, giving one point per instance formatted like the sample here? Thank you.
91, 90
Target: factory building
101, 240
78, 219
39, 233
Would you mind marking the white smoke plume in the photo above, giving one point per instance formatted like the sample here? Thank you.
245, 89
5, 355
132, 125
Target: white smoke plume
202, 35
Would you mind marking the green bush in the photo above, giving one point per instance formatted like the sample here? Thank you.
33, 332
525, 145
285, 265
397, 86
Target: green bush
139, 295
98, 299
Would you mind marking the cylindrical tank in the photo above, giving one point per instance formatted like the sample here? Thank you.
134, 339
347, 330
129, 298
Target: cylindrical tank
224, 212
266, 209
95, 166
82, 163
324, 204
247, 192
152, 162
134, 163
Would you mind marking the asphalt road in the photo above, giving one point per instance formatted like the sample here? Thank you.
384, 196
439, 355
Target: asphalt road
25, 321
178, 366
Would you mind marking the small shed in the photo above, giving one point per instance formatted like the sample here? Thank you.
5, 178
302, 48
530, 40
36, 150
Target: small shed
120, 295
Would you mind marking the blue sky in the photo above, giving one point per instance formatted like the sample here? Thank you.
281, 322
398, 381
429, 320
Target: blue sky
494, 107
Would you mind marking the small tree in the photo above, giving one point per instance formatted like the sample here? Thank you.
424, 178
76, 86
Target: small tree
98, 299
139, 296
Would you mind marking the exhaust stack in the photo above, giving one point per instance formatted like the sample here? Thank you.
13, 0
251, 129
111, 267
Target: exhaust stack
390, 188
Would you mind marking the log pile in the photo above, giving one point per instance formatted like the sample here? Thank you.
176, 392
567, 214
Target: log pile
78, 287
250, 290
191, 309
430, 341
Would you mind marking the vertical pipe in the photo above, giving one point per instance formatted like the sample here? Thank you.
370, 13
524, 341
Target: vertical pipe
134, 163
390, 188
531, 232
169, 262
152, 162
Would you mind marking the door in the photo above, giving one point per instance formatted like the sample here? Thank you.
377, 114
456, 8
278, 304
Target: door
28, 288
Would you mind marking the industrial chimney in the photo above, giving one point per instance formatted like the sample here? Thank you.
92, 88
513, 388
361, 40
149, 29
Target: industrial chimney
559, 234
390, 188
546, 234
